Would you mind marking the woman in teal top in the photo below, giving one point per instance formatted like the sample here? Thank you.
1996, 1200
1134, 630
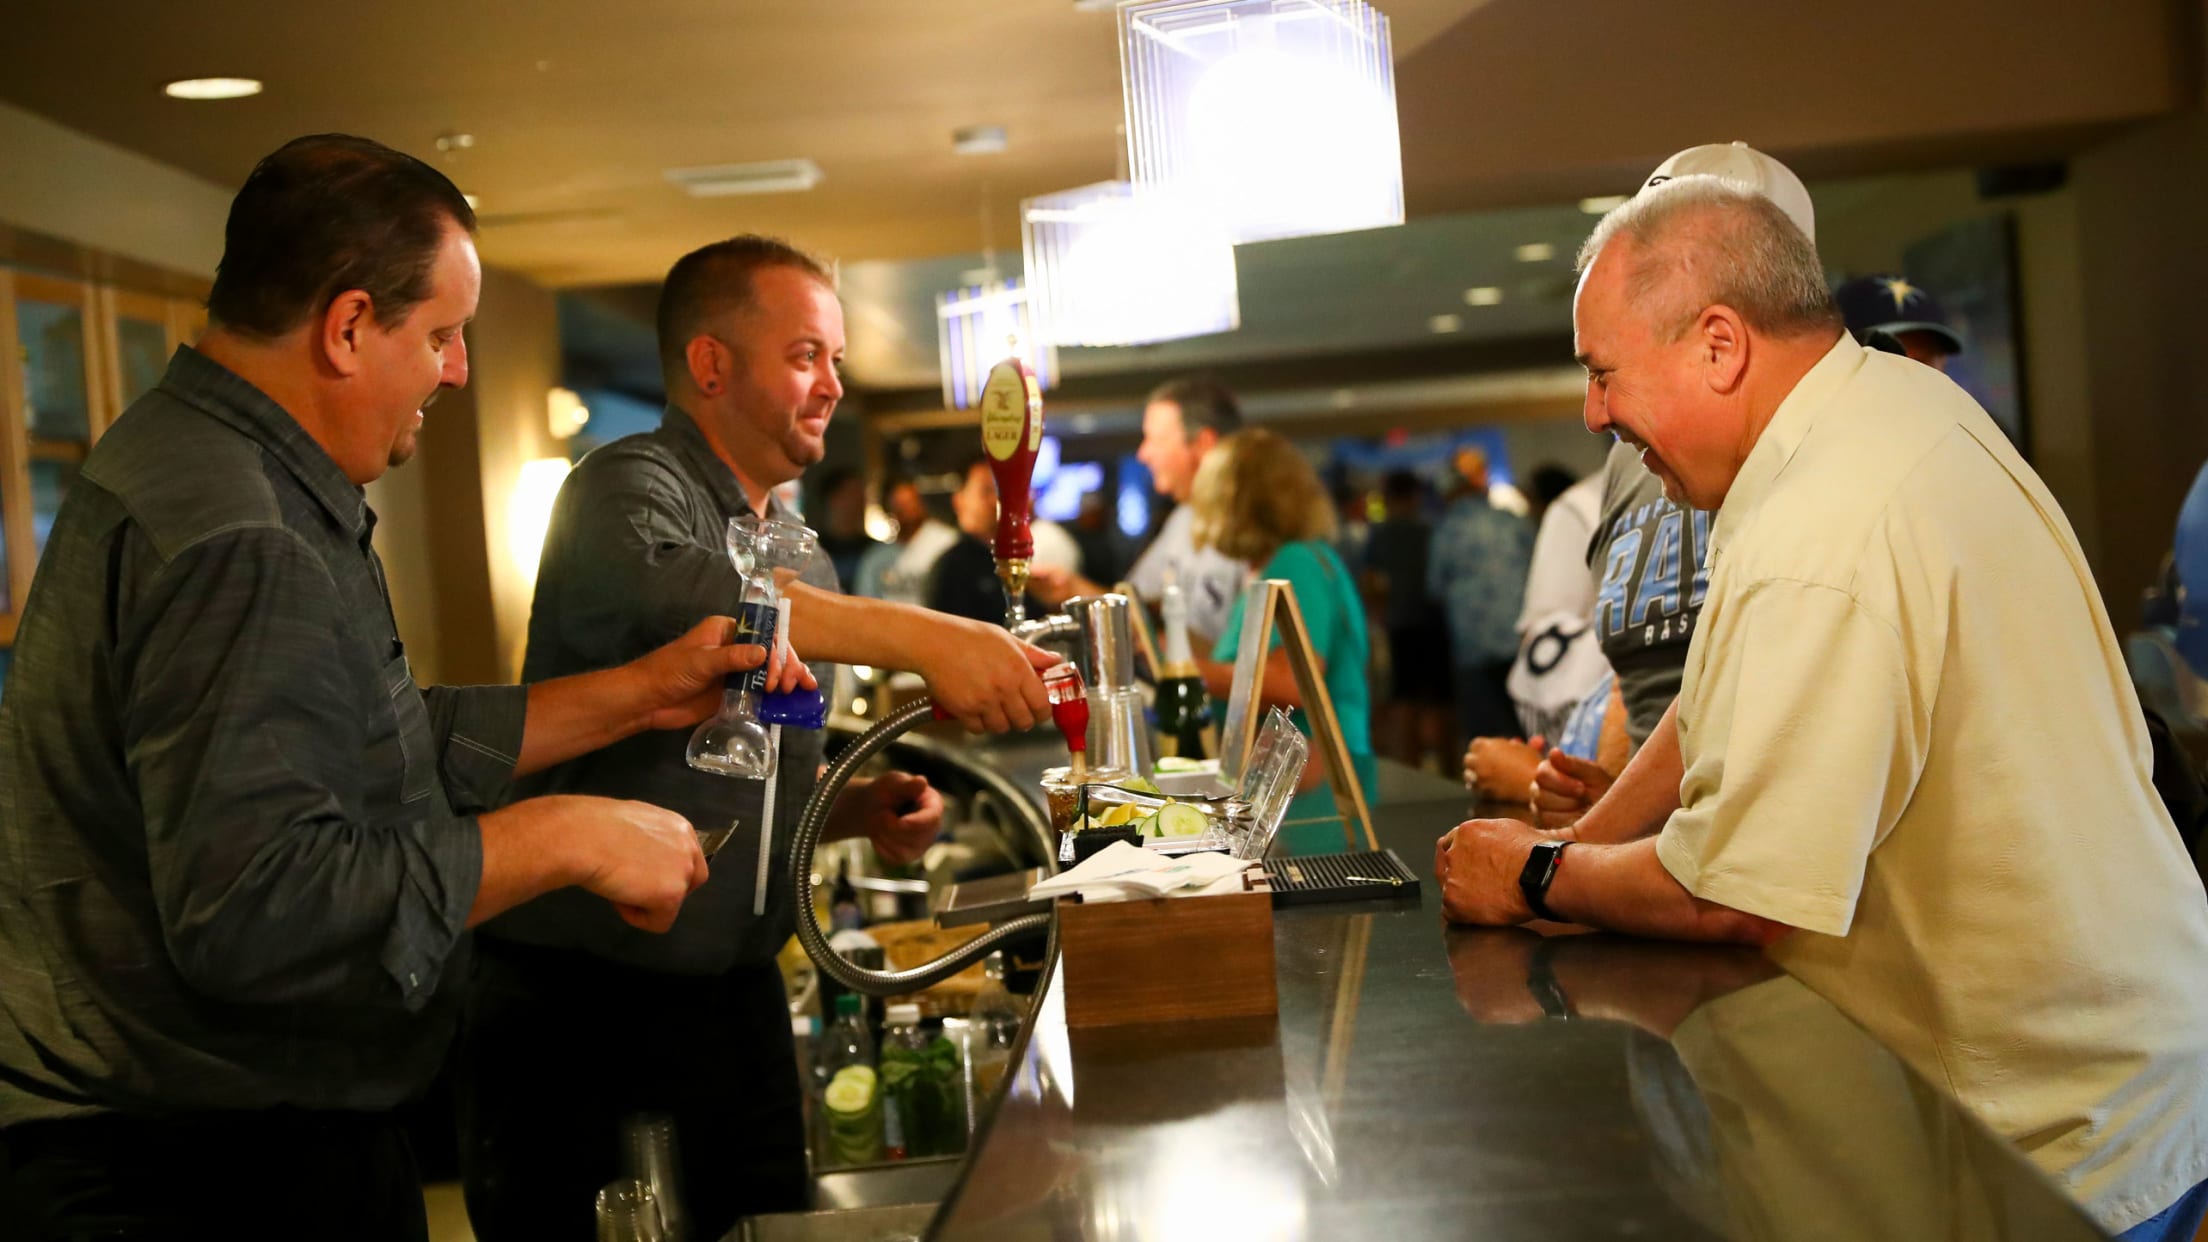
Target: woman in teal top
1257, 499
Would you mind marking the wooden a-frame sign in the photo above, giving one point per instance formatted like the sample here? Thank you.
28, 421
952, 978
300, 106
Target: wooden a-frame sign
1269, 603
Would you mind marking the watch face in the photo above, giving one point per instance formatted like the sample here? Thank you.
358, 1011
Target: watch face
1540, 869
1541, 864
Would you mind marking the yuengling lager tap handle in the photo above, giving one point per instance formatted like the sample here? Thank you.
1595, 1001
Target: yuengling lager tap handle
1012, 434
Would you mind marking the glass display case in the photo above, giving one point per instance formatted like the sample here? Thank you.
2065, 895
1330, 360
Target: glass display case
147, 331
73, 355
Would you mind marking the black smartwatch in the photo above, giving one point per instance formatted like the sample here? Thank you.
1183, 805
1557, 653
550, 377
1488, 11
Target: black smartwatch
1540, 870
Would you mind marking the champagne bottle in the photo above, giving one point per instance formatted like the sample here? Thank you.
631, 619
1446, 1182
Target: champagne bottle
1185, 728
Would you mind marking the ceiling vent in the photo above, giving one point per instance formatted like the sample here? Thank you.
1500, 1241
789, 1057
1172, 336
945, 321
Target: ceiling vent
765, 177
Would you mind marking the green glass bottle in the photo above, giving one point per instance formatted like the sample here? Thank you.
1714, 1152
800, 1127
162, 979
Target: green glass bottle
1185, 728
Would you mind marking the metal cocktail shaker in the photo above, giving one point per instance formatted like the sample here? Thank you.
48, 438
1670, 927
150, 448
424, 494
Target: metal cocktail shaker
1120, 744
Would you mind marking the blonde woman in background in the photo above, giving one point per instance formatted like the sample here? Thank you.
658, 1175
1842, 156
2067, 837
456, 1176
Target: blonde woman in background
1257, 499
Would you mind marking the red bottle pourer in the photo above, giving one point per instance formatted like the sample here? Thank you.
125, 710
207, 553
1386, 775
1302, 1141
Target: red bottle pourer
1012, 434
1069, 710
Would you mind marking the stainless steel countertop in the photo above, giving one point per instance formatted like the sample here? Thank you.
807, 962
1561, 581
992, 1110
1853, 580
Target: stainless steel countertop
1412, 1088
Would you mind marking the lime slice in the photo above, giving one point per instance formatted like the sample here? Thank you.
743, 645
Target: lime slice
849, 1095
1139, 784
1178, 820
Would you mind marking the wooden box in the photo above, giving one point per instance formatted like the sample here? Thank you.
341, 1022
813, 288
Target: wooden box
1175, 959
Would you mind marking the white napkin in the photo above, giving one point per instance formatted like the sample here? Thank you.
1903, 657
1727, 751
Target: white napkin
1121, 872
1231, 882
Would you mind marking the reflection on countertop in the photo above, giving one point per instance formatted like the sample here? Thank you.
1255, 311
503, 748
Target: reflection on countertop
1426, 1082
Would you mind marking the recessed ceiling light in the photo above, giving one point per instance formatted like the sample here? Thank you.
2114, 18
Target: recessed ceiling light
453, 140
765, 177
978, 139
473, 201
1602, 204
1444, 323
1535, 252
1483, 295
212, 88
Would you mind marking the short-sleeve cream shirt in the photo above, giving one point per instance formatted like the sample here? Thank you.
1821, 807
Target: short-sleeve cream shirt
1908, 732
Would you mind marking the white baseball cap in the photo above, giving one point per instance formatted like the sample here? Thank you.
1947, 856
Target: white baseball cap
1748, 168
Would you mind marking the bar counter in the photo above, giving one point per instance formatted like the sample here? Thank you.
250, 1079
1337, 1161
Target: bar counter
1428, 1082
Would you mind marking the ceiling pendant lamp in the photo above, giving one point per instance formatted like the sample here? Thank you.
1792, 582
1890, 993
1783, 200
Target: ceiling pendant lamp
1111, 264
1278, 116
980, 325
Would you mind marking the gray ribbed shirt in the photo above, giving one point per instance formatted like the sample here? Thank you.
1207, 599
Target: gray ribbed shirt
235, 856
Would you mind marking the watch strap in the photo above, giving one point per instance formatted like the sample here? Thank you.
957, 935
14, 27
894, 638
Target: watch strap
1538, 873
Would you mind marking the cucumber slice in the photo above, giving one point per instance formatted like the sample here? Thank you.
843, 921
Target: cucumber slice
849, 1095
1147, 825
1178, 820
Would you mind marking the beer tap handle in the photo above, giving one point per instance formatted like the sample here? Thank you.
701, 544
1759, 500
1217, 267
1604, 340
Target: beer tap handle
1012, 435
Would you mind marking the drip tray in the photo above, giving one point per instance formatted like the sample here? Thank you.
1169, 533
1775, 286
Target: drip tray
900, 1223
1363, 876
876, 1203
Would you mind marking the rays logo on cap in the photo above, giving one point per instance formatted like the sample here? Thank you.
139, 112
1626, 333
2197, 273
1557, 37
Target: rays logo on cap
1900, 290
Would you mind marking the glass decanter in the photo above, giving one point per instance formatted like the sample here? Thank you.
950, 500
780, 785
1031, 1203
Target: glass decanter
735, 742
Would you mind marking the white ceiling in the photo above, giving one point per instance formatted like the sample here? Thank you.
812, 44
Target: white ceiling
578, 106
1511, 110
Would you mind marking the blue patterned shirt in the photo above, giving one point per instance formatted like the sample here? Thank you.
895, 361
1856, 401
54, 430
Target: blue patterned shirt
1477, 571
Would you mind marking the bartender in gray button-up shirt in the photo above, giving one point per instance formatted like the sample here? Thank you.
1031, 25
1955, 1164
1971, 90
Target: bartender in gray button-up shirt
693, 1023
238, 848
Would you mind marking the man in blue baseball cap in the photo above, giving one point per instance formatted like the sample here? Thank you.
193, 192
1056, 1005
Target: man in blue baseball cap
1906, 314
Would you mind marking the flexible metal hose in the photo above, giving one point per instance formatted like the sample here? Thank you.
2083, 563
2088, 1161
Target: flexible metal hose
809, 825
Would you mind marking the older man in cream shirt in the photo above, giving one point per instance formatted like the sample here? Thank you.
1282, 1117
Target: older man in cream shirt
1905, 755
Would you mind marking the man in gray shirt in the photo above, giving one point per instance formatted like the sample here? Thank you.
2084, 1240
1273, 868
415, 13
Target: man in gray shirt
1182, 421
694, 1023
242, 847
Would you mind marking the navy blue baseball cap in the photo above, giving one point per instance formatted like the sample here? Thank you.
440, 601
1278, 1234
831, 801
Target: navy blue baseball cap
1892, 305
